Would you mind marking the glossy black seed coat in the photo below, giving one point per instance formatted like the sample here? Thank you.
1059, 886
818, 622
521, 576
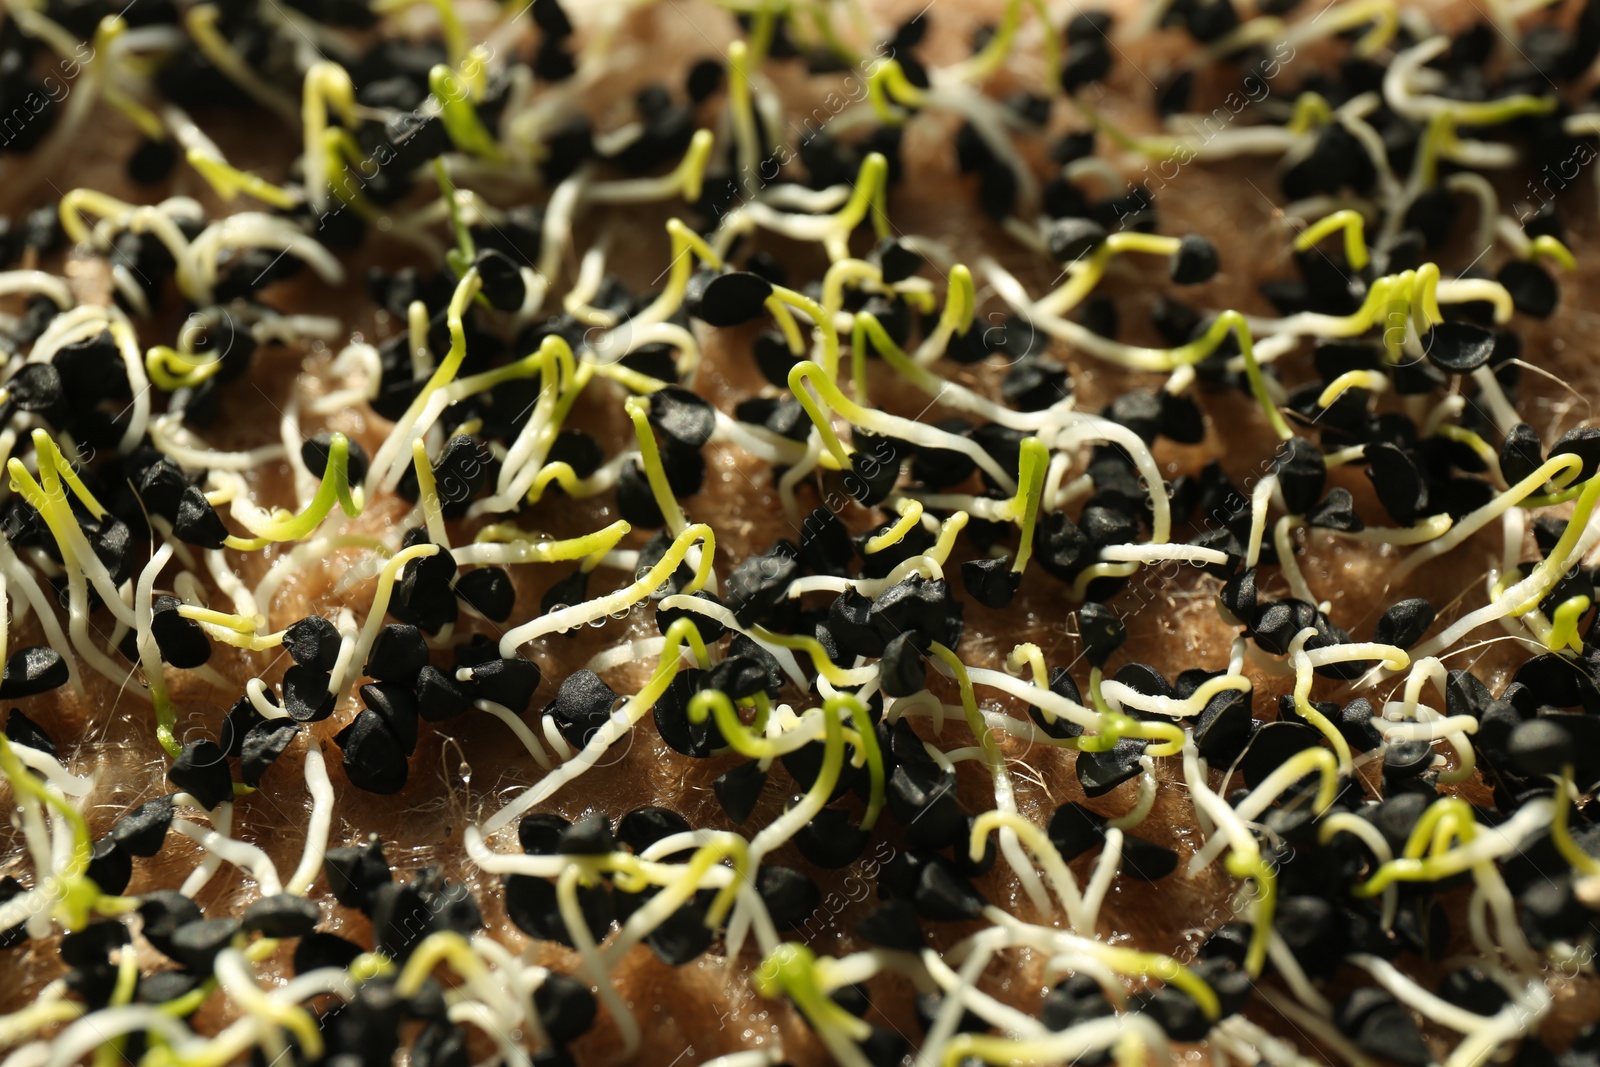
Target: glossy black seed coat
566, 1007
201, 770
1078, 999
532, 905
550, 17
685, 417
1458, 347
1532, 289
143, 830
354, 871
991, 582
263, 744
1272, 746
1355, 724
440, 1044
1223, 727
507, 682
759, 584
726, 299
196, 944
282, 915
1336, 512
374, 759
791, 897
1087, 61
1404, 623
738, 790
671, 714
893, 925
1195, 261
904, 664
31, 671
581, 706
1405, 759
1380, 1025
1401, 488
315, 450
439, 697
539, 833
1583, 442
197, 521
1239, 596
1302, 472
305, 694
162, 912
398, 653
1074, 829
397, 707
1071, 239
21, 730
1101, 772
924, 798
683, 935
1101, 632
589, 836
942, 895
313, 642
181, 641
503, 285
643, 827
1540, 746
921, 604
831, 840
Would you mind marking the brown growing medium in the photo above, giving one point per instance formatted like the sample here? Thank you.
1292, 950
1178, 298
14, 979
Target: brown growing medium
467, 768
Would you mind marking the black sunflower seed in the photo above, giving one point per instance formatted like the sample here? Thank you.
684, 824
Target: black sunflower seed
1404, 623
1458, 347
143, 830
1532, 289
21, 730
314, 453
398, 653
281, 915
263, 744
1195, 261
683, 416
201, 770
197, 521
31, 671
728, 299
374, 759
313, 642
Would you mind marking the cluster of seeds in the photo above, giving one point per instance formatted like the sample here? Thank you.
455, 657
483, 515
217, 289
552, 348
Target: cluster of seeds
1408, 880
